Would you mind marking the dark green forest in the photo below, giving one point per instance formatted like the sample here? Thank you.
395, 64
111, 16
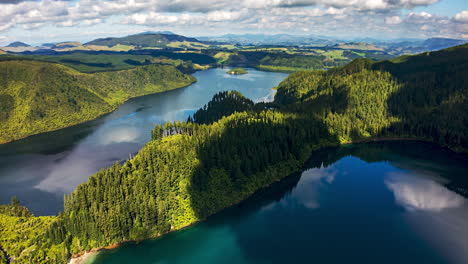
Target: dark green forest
38, 97
141, 40
275, 61
232, 147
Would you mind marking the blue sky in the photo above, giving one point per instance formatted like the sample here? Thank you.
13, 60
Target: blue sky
445, 8
37, 22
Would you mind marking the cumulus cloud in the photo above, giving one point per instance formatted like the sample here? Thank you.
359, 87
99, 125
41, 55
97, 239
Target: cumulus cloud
462, 17
393, 20
320, 16
359, 4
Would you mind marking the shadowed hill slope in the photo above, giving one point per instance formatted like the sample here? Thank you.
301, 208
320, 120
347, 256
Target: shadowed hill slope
422, 96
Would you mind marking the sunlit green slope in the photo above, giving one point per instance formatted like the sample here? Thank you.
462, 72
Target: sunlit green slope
38, 97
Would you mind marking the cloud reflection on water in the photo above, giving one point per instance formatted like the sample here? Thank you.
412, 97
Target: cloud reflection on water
415, 193
312, 181
120, 134
437, 214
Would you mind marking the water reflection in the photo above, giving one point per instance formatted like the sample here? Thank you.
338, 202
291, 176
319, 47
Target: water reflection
417, 193
119, 134
312, 182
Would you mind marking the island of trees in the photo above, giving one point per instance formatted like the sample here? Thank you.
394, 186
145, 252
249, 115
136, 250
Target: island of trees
232, 147
237, 71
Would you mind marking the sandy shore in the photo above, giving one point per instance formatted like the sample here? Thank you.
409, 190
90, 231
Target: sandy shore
82, 258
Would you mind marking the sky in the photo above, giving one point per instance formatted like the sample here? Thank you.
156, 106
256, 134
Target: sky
46, 21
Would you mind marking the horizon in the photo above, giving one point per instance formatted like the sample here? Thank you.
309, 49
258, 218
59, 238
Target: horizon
349, 40
50, 21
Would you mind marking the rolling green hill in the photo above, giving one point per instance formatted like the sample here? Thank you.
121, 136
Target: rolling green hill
142, 40
38, 97
232, 148
422, 96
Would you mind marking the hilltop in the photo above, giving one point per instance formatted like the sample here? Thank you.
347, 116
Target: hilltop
18, 44
142, 40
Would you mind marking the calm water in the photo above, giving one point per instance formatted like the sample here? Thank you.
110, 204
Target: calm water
40, 169
371, 203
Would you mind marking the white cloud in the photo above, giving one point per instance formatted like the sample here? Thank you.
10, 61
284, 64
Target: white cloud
67, 23
393, 20
462, 17
290, 16
225, 15
90, 22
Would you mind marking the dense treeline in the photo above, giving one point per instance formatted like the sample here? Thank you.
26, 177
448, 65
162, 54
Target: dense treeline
222, 104
23, 239
15, 209
423, 96
141, 40
193, 169
37, 97
274, 60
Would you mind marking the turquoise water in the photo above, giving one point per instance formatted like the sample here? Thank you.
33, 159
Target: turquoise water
394, 202
41, 168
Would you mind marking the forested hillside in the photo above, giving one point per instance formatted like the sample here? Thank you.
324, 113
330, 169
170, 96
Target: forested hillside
422, 96
142, 40
37, 97
275, 61
231, 148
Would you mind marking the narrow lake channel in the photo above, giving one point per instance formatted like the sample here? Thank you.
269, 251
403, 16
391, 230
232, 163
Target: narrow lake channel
42, 168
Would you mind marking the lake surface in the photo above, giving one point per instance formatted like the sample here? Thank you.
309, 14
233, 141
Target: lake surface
42, 168
393, 202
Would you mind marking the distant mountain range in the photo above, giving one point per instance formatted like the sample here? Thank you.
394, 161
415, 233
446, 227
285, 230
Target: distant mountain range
17, 44
277, 39
146, 39
156, 32
170, 40
418, 46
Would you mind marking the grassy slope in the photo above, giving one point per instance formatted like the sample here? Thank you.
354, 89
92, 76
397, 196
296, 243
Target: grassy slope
38, 97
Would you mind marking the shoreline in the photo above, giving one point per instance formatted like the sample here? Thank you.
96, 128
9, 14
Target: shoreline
95, 118
82, 257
